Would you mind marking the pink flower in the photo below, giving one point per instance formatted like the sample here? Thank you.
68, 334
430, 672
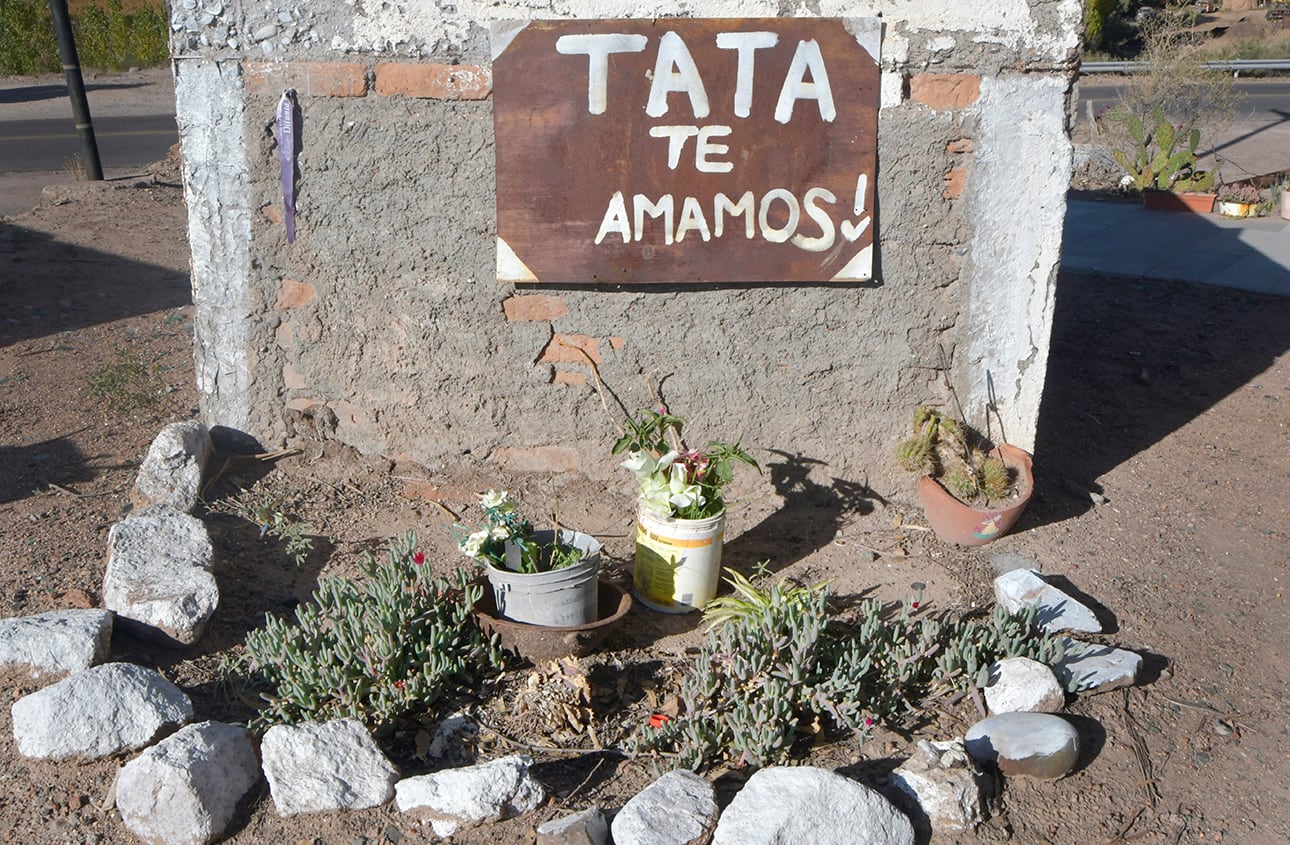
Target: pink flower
868, 723
419, 558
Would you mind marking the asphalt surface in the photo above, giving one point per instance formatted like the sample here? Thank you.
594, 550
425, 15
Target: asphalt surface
53, 143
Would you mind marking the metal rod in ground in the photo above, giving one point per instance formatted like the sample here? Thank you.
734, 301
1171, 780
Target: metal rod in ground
76, 88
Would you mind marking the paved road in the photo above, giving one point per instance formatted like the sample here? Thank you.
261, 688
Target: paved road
51, 144
1263, 99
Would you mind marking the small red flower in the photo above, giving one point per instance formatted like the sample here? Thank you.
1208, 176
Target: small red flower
658, 720
419, 558
914, 605
398, 685
868, 723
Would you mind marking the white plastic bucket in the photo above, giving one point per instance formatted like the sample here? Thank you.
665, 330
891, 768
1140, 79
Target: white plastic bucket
564, 598
678, 561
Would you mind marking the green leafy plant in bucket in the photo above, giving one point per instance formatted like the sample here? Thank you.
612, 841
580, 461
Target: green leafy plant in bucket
503, 525
674, 480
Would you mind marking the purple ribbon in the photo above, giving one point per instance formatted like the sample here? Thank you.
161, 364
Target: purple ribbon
286, 123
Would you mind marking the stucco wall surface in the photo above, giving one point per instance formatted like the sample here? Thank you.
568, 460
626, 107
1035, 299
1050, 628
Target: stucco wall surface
384, 321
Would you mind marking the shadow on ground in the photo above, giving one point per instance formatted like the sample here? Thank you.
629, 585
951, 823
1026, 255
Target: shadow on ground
33, 93
810, 517
1132, 361
49, 286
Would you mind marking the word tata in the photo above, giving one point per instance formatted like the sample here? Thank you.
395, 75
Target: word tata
675, 72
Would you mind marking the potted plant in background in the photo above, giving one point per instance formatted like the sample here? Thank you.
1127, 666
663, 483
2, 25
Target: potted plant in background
1241, 199
972, 491
545, 578
681, 510
1168, 110
1166, 173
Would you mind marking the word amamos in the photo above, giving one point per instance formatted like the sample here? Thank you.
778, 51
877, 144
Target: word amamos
758, 216
776, 215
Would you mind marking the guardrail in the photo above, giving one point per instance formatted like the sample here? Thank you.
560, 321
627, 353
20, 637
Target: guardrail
1234, 65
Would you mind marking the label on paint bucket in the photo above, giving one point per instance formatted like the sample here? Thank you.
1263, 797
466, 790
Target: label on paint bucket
677, 562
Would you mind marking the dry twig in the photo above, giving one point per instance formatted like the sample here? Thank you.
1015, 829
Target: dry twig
1140, 752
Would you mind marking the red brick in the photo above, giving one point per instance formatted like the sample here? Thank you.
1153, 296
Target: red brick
960, 146
429, 80
310, 79
293, 294
563, 349
539, 306
944, 91
272, 213
285, 336
428, 491
570, 378
538, 459
348, 412
955, 179
292, 378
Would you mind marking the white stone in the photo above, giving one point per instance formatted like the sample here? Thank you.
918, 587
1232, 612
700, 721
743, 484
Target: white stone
319, 767
1022, 588
806, 804
1032, 744
159, 574
1092, 668
171, 472
585, 828
1021, 684
498, 789
99, 711
184, 790
942, 779
57, 642
677, 809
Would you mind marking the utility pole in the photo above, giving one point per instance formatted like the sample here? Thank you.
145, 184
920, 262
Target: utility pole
76, 88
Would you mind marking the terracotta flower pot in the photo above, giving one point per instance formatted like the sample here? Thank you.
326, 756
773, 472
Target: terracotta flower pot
1178, 200
955, 522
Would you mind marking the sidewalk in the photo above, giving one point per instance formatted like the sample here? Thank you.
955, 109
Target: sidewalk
44, 97
1124, 239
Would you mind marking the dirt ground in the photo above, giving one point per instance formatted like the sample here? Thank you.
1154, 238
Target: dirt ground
1163, 496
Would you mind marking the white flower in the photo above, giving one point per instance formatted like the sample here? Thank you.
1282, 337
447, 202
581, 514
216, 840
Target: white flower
500, 532
473, 545
640, 464
681, 494
668, 459
655, 494
494, 499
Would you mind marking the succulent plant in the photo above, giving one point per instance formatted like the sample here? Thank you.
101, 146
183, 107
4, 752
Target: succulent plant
377, 649
952, 452
774, 664
1158, 161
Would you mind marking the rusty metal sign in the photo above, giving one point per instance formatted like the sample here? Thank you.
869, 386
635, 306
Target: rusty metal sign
685, 150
